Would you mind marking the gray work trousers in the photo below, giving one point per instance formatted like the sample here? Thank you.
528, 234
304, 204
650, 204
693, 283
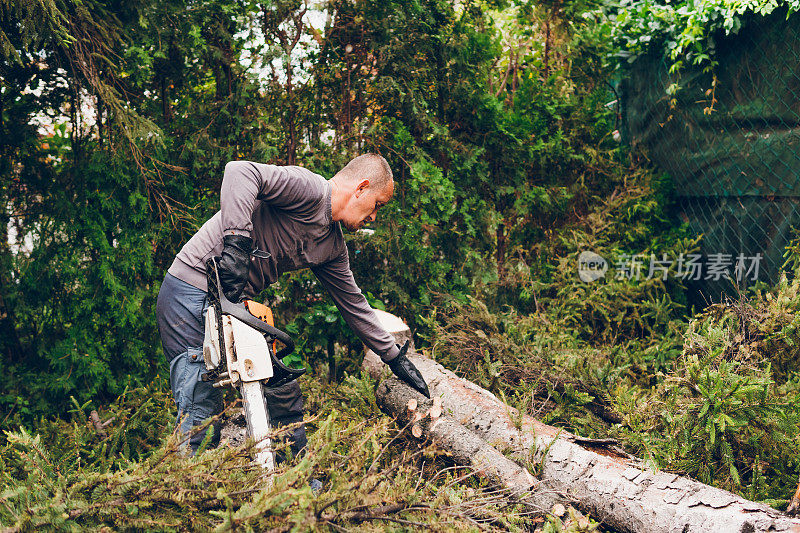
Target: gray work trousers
179, 313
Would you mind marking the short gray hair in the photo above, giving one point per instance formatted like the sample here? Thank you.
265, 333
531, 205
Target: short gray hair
370, 166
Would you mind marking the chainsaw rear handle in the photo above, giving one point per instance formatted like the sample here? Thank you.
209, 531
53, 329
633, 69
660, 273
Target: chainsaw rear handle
239, 311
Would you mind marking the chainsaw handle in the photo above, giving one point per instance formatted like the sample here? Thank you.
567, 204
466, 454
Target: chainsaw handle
239, 311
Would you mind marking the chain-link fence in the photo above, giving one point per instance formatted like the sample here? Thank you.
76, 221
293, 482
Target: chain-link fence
732, 148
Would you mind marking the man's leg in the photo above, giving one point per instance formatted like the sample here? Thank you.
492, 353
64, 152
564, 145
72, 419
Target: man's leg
179, 312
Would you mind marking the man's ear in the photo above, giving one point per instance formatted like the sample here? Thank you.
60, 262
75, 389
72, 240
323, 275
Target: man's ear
362, 187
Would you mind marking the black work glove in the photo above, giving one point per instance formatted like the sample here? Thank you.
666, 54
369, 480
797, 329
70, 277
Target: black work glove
406, 371
234, 265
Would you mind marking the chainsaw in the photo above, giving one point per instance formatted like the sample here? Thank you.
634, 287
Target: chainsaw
239, 351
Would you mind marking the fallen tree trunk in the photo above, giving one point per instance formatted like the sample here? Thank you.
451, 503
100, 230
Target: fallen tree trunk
466, 447
602, 481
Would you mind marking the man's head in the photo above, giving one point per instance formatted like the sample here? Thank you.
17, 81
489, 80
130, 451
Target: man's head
360, 189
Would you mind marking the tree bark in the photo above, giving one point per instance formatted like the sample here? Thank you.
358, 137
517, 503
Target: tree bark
600, 479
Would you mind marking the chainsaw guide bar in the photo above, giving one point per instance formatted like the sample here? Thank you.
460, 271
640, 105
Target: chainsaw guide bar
239, 350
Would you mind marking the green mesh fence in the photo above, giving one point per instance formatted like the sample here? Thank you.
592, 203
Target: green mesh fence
736, 169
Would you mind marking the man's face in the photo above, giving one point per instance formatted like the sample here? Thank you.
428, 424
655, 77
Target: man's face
364, 204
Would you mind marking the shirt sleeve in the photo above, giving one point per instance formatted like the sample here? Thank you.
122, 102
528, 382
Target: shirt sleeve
245, 182
337, 278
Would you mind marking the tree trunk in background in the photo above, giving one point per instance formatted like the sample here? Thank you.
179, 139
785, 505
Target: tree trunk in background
291, 120
601, 480
166, 110
274, 27
9, 339
548, 35
500, 251
331, 349
546, 59
100, 133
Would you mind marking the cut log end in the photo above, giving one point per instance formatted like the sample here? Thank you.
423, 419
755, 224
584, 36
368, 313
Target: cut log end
416, 430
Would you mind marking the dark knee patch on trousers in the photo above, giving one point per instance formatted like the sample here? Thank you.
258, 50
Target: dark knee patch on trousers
284, 401
285, 404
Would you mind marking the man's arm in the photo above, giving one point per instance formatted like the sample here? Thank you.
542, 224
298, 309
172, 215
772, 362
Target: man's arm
337, 278
244, 182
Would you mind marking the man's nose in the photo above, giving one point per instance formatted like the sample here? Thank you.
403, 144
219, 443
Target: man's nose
372, 216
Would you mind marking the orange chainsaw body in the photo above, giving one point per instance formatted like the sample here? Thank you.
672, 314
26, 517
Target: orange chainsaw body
260, 311
263, 313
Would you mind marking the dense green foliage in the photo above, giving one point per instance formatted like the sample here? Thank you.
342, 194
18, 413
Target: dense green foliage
116, 127
683, 31
712, 395
116, 121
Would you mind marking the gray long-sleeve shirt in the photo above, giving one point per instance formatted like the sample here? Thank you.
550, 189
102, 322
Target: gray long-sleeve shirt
287, 212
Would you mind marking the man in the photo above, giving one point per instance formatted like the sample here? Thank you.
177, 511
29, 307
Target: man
294, 215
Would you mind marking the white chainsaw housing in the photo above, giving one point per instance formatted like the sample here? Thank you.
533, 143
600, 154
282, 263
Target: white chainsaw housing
212, 354
246, 350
